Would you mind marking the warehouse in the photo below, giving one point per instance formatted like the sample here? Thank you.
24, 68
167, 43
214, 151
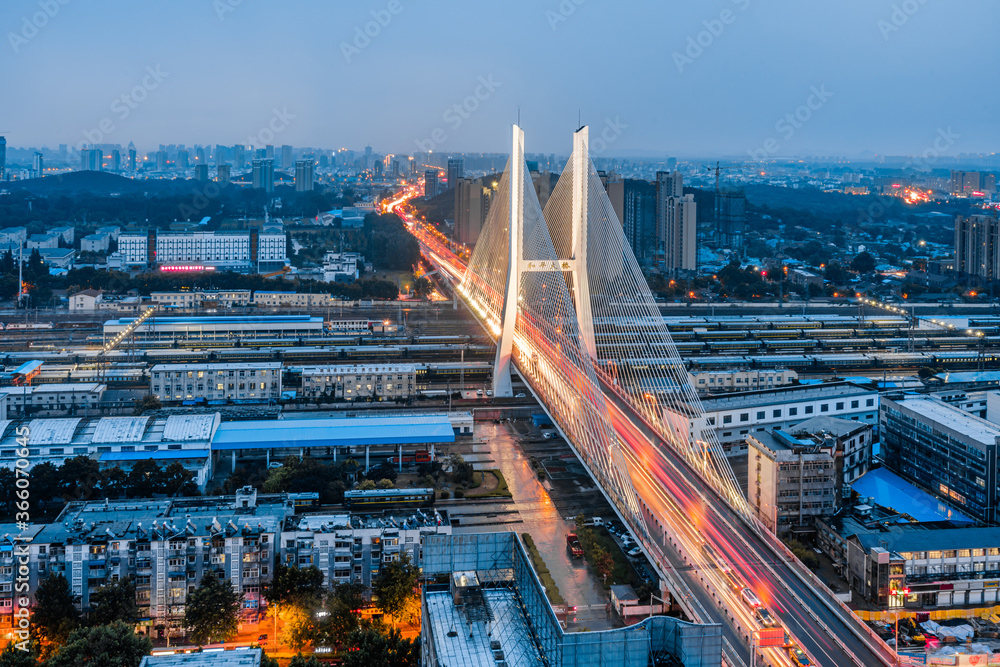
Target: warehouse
220, 328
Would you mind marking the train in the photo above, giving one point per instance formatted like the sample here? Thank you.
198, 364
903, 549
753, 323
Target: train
388, 498
819, 363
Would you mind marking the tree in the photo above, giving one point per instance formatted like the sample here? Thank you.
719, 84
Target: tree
380, 646
384, 483
367, 485
54, 616
147, 402
421, 287
144, 480
265, 659
306, 661
394, 584
602, 561
114, 645
295, 586
15, 657
79, 477
212, 611
863, 262
835, 273
341, 619
44, 483
112, 602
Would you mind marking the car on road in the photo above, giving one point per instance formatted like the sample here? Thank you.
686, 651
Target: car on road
765, 617
750, 598
799, 657
635, 551
519, 395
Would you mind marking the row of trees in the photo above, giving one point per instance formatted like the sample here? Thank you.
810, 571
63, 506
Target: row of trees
81, 478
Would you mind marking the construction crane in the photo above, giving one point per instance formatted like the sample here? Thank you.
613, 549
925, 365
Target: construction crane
282, 271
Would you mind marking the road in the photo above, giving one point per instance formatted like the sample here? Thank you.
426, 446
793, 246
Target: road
682, 513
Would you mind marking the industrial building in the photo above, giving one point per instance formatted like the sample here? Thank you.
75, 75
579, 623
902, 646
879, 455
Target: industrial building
943, 450
247, 382
248, 251
70, 398
734, 416
220, 328
483, 604
377, 382
202, 299
742, 380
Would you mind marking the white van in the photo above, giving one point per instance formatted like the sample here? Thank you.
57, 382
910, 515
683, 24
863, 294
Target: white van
750, 598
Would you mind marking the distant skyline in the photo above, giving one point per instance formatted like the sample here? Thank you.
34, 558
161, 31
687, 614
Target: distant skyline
857, 78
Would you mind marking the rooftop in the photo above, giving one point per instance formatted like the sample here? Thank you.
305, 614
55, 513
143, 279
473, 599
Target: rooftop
748, 399
459, 643
401, 519
832, 425
248, 658
909, 537
890, 490
359, 368
352, 431
234, 366
969, 427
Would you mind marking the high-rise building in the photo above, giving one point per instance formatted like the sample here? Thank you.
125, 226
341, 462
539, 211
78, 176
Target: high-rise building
671, 164
201, 172
90, 159
183, 159
966, 182
116, 160
730, 217
199, 155
977, 246
3, 157
324, 161
377, 169
676, 224
263, 174
634, 202
456, 170
223, 174
472, 204
303, 175
37, 165
286, 156
430, 182
239, 156
269, 152
161, 160
368, 157
131, 157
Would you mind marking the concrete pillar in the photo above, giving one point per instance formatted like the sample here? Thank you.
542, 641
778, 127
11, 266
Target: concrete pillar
267, 453
400, 458
367, 448
234, 460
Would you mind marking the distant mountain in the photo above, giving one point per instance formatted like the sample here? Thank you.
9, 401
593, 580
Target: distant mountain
100, 183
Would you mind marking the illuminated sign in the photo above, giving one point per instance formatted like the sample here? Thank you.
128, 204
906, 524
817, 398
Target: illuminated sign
186, 267
771, 637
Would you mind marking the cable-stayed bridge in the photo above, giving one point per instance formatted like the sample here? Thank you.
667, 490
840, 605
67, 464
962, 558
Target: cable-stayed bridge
562, 295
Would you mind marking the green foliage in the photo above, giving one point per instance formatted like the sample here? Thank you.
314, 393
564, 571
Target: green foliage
384, 483
15, 657
211, 612
602, 561
114, 645
329, 480
835, 273
395, 584
461, 471
367, 485
551, 589
803, 553
265, 660
295, 586
54, 616
422, 287
306, 661
381, 646
863, 263
149, 402
115, 601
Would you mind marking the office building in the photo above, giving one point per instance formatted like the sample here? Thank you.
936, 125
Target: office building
634, 202
3, 158
131, 157
977, 246
223, 174
790, 480
247, 251
676, 224
493, 602
37, 165
430, 183
472, 205
91, 159
286, 156
239, 156
263, 174
161, 160
736, 415
456, 170
376, 382
741, 380
249, 382
116, 160
201, 172
943, 450
303, 175
850, 441
730, 218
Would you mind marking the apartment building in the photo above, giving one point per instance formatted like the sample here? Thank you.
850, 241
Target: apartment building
246, 382
351, 548
250, 250
851, 442
943, 450
200, 299
741, 380
167, 545
790, 480
380, 382
85, 301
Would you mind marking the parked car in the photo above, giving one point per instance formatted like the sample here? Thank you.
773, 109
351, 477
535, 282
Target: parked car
635, 551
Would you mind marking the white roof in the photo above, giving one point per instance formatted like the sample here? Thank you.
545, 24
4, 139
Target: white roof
120, 429
237, 366
250, 658
179, 428
958, 420
52, 431
359, 368
56, 388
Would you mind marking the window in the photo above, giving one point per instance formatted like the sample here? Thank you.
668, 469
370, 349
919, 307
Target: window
792, 412
760, 414
824, 407
854, 404
777, 413
870, 402
727, 419
809, 409
745, 417
840, 405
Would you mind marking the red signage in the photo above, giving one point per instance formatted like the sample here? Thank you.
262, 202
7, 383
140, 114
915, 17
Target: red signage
771, 637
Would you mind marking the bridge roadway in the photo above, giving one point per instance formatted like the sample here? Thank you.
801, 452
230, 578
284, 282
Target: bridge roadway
681, 510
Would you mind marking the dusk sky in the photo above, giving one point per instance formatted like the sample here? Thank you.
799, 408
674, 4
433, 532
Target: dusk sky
891, 75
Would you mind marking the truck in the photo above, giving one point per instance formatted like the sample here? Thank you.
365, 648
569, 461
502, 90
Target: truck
573, 544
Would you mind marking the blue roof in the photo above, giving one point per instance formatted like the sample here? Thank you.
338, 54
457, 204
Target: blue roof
227, 319
891, 490
159, 455
27, 367
408, 430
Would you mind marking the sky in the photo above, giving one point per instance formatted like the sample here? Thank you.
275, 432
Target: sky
651, 78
